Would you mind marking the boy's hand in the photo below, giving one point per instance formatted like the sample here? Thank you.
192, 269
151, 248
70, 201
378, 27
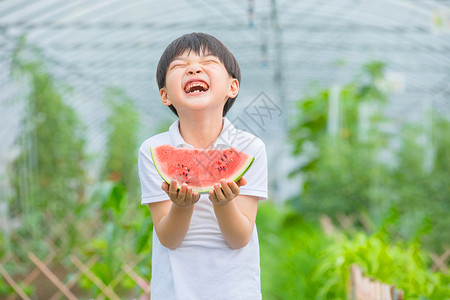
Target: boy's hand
184, 197
228, 192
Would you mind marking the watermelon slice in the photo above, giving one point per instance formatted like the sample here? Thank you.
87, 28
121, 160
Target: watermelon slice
200, 168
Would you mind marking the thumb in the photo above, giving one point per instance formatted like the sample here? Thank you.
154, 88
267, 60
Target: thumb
165, 187
242, 182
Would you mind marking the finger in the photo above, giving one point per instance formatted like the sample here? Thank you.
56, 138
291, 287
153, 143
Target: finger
182, 193
212, 196
242, 181
189, 195
173, 186
165, 187
226, 189
196, 197
219, 194
234, 187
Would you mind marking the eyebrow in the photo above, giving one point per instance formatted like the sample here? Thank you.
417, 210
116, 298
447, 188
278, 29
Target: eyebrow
185, 58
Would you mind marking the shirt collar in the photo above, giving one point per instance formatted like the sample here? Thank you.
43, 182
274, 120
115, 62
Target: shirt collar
223, 141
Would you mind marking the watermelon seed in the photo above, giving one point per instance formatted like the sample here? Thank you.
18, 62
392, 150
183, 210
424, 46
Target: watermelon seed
187, 181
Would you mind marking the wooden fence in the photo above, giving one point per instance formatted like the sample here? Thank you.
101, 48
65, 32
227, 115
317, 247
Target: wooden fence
365, 288
348, 223
51, 280
360, 286
61, 288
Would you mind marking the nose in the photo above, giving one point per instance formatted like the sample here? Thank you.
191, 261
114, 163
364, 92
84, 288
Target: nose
194, 69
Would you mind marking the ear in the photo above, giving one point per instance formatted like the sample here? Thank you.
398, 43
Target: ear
164, 97
233, 89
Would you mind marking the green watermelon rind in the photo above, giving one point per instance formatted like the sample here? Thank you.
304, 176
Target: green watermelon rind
205, 190
157, 167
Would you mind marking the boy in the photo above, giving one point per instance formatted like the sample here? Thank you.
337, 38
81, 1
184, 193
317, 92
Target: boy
204, 246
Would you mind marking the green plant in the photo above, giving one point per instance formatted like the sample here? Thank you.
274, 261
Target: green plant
342, 173
401, 263
358, 168
6, 289
126, 235
289, 254
120, 163
49, 179
48, 174
423, 195
49, 171
310, 123
299, 261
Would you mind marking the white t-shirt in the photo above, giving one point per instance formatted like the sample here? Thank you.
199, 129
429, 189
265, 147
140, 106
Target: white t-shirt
204, 266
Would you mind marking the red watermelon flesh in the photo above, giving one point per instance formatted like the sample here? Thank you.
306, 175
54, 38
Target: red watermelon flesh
200, 168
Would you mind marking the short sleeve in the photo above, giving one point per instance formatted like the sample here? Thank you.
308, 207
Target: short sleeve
257, 175
149, 177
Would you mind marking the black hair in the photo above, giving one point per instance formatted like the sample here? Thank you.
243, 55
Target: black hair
198, 42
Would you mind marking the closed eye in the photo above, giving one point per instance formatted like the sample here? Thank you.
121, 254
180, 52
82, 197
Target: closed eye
178, 65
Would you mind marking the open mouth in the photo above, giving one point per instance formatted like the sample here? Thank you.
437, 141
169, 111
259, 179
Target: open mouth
197, 86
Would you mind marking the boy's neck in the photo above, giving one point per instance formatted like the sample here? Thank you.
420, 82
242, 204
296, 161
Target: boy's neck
201, 131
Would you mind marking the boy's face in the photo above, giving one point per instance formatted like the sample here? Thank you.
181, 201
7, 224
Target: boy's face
198, 82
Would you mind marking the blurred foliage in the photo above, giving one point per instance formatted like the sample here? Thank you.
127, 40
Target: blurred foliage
298, 261
365, 171
120, 163
125, 237
48, 174
310, 124
290, 249
56, 214
52, 156
421, 195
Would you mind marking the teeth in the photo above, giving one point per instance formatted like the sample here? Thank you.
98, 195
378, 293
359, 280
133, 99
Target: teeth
188, 87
